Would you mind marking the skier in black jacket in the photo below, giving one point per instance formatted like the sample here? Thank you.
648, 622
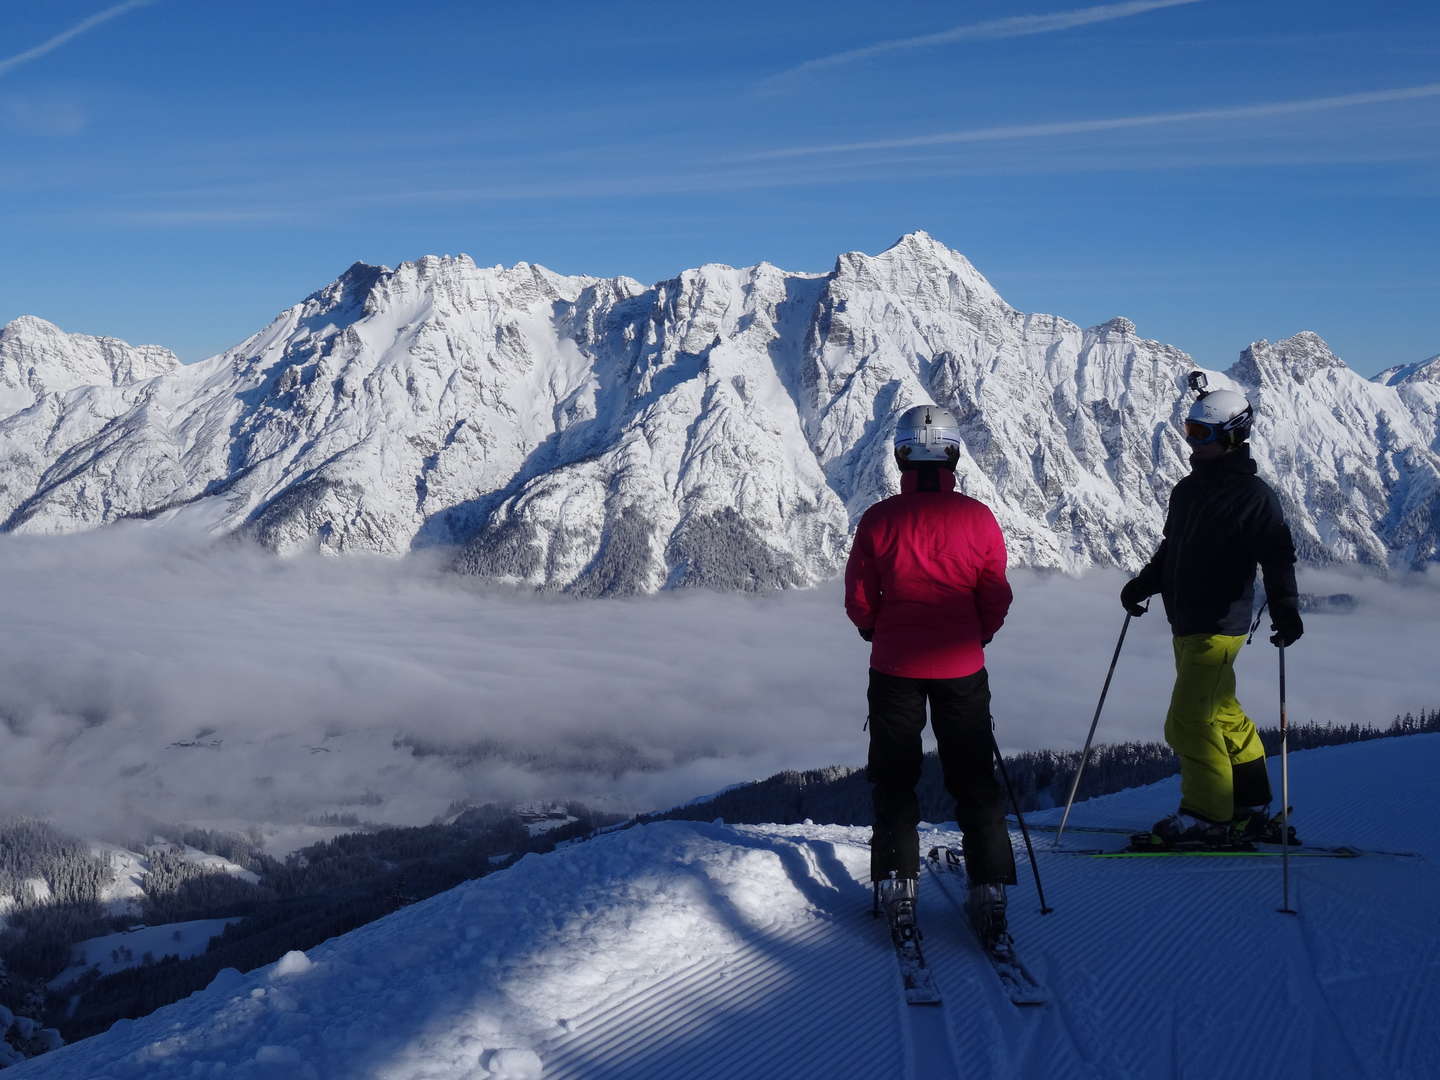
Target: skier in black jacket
1223, 520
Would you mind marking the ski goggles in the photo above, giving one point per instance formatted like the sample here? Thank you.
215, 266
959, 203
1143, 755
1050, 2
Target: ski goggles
1199, 433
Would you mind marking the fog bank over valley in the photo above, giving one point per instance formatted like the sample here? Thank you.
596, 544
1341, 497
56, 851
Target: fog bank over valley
152, 676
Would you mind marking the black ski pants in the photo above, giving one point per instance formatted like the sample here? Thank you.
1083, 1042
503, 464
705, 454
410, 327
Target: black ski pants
960, 718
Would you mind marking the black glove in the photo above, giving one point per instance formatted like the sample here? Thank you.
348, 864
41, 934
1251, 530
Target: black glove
867, 634
1285, 621
1132, 596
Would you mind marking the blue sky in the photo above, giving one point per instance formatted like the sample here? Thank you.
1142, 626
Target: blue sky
177, 171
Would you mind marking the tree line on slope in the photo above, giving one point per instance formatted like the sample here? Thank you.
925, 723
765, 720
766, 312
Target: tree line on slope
840, 795
52, 886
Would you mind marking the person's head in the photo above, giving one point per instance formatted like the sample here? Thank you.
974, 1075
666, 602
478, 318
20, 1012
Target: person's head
927, 436
1217, 423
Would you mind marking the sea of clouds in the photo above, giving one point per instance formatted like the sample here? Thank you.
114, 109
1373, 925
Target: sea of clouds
147, 675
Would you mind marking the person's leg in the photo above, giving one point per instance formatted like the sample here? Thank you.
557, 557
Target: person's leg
897, 717
1250, 783
960, 717
1206, 726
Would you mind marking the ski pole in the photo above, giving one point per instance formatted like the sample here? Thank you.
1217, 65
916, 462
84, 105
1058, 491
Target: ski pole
1284, 791
1085, 754
1045, 909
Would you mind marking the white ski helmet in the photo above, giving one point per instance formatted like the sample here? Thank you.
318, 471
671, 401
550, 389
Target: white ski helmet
927, 433
1219, 414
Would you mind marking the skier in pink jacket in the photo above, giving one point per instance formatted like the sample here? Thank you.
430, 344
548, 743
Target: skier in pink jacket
925, 585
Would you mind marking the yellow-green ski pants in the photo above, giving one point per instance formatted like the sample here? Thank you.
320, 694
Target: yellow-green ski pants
1206, 727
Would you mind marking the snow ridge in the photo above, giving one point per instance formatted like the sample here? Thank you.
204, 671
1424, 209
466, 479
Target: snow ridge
723, 428
711, 951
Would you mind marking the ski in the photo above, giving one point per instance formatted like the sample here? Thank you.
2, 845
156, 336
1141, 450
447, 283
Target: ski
915, 976
1045, 826
1335, 851
1215, 853
1019, 985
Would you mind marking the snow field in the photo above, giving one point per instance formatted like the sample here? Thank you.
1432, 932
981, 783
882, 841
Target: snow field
681, 949
182, 939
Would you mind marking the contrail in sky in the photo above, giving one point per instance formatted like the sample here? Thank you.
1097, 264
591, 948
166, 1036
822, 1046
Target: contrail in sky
9, 63
1014, 26
1080, 127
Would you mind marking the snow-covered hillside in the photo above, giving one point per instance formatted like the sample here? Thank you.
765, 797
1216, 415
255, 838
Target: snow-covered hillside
124, 893
704, 950
138, 945
725, 427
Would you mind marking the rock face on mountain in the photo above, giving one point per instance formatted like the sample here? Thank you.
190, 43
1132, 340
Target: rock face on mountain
724, 428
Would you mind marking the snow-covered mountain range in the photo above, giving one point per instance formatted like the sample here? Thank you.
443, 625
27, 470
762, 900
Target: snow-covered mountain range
726, 427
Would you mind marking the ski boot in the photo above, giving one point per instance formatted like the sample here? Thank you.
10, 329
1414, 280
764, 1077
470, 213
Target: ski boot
985, 906
895, 897
1186, 832
1255, 825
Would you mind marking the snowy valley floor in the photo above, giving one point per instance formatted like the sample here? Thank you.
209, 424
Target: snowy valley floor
687, 950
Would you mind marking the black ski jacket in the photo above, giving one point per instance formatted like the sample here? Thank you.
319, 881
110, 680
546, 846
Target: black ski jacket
1223, 520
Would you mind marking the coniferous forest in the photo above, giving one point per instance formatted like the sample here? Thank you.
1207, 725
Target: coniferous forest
1041, 779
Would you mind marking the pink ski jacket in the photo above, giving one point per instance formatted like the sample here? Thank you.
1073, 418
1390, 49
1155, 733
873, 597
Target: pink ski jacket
927, 575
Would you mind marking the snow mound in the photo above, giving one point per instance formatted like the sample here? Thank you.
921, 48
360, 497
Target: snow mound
512, 1064
686, 949
293, 962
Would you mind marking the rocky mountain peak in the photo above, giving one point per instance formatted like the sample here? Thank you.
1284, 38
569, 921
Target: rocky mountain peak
918, 268
1293, 359
1426, 371
350, 290
29, 325
1118, 325
38, 358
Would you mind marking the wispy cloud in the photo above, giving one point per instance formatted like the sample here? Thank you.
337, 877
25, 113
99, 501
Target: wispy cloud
227, 207
1116, 123
10, 63
210, 216
991, 30
43, 117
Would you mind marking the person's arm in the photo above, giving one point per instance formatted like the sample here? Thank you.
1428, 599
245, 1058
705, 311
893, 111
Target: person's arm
1147, 581
862, 582
1275, 551
992, 591
1151, 578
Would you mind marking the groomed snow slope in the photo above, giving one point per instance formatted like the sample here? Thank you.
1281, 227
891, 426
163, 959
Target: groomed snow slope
701, 950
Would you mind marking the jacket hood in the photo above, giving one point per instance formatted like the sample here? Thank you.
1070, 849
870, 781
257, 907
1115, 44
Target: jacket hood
1236, 461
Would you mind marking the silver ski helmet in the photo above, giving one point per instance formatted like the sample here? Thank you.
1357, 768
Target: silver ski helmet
927, 433
1219, 415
